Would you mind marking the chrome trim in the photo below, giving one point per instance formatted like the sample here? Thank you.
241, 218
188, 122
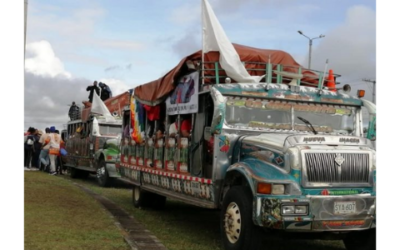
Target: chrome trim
323, 162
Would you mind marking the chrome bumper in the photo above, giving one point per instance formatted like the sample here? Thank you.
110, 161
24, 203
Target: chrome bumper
320, 217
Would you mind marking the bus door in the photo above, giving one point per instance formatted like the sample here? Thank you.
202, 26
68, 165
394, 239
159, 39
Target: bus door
200, 154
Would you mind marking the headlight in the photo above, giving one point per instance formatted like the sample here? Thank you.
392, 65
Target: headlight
301, 209
288, 210
295, 210
268, 188
278, 189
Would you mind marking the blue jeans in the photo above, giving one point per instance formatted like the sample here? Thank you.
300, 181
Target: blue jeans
44, 157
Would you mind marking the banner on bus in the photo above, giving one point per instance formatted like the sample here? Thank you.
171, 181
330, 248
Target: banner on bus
184, 99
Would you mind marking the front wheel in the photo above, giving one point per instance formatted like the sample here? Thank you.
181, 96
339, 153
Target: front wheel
236, 224
103, 179
361, 240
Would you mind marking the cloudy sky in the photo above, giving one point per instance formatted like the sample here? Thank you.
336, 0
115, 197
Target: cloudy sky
70, 44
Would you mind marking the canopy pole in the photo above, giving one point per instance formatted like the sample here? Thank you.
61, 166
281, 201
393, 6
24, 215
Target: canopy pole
202, 43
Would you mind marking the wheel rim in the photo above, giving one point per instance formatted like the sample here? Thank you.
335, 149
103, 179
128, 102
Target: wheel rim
101, 172
232, 222
136, 193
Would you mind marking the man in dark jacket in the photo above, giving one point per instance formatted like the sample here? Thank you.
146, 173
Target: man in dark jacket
91, 89
28, 147
74, 112
105, 91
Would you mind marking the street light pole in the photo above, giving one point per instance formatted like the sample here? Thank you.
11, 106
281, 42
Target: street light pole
310, 45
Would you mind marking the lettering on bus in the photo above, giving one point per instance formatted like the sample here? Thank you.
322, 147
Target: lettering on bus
313, 139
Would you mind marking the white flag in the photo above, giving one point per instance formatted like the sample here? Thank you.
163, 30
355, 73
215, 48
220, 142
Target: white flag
99, 107
215, 39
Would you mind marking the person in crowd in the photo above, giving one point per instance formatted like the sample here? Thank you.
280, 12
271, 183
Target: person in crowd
74, 112
160, 128
93, 88
126, 133
186, 126
105, 91
36, 148
54, 151
29, 140
44, 160
59, 165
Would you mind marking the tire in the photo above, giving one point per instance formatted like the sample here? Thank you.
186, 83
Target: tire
236, 224
74, 172
103, 179
361, 240
140, 197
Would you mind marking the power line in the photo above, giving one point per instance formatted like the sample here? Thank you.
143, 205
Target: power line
374, 88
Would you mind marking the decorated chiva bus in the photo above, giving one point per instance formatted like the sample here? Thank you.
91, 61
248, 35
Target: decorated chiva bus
279, 149
92, 141
286, 154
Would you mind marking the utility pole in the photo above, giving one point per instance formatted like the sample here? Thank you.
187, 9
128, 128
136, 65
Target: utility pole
373, 88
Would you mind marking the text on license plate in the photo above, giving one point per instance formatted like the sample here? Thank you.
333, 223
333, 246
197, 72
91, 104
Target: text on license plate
345, 207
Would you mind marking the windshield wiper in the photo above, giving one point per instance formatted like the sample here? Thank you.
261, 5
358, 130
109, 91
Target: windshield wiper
308, 123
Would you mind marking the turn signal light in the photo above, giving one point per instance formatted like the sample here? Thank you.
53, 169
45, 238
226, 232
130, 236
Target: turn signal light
360, 93
264, 188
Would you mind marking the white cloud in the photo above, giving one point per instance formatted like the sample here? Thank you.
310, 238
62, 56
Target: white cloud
41, 60
49, 89
350, 48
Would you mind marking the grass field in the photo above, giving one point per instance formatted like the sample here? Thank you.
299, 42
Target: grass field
60, 216
179, 226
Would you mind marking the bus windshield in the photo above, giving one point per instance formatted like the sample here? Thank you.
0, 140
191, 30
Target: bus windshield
283, 115
107, 129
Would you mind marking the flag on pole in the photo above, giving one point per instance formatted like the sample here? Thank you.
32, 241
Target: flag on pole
215, 39
99, 107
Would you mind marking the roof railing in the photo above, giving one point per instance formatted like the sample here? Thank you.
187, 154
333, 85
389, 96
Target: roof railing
273, 73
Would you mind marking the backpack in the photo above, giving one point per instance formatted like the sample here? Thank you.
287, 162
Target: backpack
30, 140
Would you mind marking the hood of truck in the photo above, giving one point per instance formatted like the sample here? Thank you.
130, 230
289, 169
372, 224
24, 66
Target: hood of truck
281, 141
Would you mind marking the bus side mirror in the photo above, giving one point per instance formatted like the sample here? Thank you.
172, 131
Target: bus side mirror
207, 133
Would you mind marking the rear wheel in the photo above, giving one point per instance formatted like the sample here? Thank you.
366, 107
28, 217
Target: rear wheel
74, 172
236, 223
103, 179
140, 197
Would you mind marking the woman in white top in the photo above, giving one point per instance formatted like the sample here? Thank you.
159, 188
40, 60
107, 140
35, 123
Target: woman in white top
54, 151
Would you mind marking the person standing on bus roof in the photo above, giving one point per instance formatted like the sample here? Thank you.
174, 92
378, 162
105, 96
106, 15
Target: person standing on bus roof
73, 112
105, 91
92, 89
